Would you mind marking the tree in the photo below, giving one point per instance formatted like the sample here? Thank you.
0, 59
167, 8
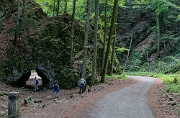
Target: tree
86, 37
65, 6
23, 9
112, 54
17, 24
115, 7
58, 6
159, 8
127, 57
54, 8
95, 41
113, 47
158, 35
105, 31
72, 31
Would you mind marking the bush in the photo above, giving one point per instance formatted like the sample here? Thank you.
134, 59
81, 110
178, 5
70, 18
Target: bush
167, 79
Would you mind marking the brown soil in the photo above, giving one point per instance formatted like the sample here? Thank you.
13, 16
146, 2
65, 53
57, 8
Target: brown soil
161, 104
70, 104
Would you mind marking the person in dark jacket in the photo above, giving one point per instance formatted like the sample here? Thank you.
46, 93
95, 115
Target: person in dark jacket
56, 89
36, 82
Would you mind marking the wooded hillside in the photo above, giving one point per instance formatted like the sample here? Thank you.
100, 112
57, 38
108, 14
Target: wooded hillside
59, 42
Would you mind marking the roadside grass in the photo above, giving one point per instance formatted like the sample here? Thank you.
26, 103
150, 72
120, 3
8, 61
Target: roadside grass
167, 79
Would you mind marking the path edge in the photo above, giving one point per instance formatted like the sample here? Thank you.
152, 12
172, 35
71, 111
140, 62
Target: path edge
152, 98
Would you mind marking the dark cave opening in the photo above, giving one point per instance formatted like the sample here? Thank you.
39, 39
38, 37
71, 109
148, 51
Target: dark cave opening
22, 81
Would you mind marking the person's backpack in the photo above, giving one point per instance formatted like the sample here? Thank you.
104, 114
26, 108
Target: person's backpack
56, 86
82, 82
37, 81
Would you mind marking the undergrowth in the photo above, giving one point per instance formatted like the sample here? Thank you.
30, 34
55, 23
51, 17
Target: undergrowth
167, 79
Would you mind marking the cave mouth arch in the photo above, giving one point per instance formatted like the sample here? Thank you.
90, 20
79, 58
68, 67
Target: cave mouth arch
21, 82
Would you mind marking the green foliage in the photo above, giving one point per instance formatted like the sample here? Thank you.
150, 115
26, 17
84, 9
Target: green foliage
5, 7
48, 7
167, 64
50, 50
173, 88
121, 50
167, 79
16, 60
178, 17
66, 77
135, 61
24, 26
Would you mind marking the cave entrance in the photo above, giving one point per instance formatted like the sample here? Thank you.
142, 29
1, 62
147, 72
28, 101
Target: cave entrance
27, 79
30, 81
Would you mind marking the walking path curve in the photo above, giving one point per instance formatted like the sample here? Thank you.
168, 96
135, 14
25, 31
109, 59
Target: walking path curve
129, 102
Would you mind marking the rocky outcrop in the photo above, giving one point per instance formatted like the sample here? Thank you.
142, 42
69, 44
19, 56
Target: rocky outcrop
45, 47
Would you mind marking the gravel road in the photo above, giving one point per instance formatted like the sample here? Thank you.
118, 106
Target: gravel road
113, 99
129, 102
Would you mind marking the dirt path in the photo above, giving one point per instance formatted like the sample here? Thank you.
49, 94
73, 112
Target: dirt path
140, 99
129, 102
73, 105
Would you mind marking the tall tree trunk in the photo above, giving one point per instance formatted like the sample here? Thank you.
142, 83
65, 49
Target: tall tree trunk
166, 32
86, 37
179, 27
113, 47
65, 7
115, 7
105, 31
158, 33
23, 9
54, 8
112, 54
17, 24
72, 31
95, 41
58, 3
127, 58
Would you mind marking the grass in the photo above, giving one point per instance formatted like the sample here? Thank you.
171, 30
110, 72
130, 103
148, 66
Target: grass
167, 79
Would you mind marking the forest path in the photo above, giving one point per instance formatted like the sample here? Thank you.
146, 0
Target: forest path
115, 99
129, 102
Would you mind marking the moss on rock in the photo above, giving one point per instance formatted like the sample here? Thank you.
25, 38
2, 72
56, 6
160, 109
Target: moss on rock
48, 51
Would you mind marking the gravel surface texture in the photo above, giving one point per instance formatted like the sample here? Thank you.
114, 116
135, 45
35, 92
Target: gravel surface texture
129, 102
103, 100
74, 104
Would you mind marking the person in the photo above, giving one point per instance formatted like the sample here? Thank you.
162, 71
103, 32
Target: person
56, 89
81, 83
36, 82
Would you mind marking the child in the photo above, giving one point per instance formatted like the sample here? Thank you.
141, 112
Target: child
56, 89
36, 82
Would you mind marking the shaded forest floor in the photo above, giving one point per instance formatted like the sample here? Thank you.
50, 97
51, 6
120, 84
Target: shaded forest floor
70, 103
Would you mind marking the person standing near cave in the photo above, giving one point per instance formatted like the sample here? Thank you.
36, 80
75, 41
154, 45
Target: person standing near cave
56, 89
36, 82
